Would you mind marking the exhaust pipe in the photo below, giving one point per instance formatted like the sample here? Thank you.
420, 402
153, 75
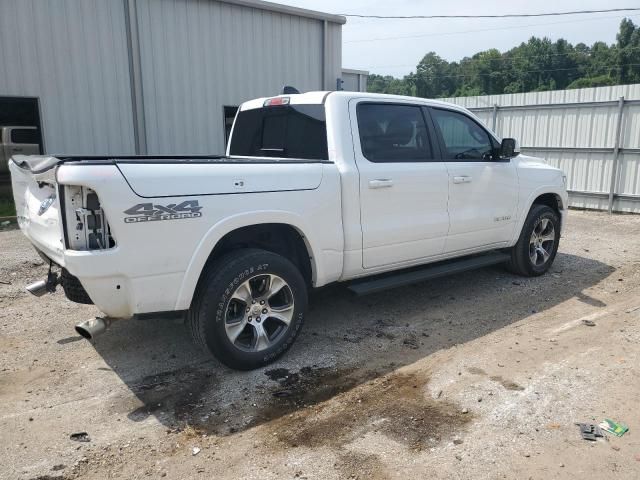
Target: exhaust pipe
38, 288
44, 286
93, 327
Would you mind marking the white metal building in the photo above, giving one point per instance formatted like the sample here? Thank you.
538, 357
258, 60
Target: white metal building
354, 80
114, 77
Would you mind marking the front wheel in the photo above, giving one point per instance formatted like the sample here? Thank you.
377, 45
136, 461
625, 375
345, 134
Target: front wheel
538, 243
249, 308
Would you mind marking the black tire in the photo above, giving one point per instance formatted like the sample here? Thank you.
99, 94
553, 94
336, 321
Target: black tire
521, 262
208, 317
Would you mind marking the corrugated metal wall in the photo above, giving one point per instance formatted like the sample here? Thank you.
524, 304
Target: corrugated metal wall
354, 80
198, 56
575, 130
73, 55
334, 55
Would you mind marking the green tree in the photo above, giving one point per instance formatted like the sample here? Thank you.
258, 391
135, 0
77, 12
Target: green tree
388, 84
433, 77
628, 53
535, 65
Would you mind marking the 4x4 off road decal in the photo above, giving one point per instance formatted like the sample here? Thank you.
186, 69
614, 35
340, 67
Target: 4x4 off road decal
149, 212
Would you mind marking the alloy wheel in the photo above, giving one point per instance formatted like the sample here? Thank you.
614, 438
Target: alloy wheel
542, 242
259, 312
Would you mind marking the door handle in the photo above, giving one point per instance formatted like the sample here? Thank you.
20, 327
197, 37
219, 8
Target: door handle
381, 183
462, 179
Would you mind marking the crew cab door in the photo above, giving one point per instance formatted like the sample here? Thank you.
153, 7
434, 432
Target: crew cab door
403, 183
483, 189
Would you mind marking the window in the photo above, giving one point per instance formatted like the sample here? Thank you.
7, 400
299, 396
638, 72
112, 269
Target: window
25, 136
463, 138
284, 131
393, 133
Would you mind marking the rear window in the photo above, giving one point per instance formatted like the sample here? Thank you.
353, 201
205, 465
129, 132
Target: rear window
24, 135
291, 131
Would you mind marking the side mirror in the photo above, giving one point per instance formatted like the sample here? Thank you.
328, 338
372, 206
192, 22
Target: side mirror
509, 148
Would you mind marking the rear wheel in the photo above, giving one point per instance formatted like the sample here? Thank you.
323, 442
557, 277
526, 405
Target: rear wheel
537, 246
249, 308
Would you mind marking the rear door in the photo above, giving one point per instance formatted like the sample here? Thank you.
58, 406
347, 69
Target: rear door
403, 183
483, 189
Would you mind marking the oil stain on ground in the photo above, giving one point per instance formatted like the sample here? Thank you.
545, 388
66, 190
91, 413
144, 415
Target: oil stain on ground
308, 386
476, 371
183, 397
311, 407
393, 405
361, 465
172, 396
506, 383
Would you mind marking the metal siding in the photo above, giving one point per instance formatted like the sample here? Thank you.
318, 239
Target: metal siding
334, 55
196, 57
350, 82
200, 55
71, 54
629, 163
354, 81
630, 92
543, 125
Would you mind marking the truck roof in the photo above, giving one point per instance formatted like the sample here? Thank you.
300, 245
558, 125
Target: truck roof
320, 97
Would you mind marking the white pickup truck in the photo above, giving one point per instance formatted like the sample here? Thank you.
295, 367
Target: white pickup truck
315, 188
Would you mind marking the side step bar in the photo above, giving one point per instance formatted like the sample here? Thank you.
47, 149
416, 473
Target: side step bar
441, 269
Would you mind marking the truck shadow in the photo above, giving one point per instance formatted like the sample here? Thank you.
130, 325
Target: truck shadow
347, 341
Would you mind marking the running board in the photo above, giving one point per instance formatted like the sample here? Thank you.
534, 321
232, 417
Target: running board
440, 269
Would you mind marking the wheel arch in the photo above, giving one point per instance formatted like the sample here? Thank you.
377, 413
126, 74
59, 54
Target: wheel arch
552, 197
278, 232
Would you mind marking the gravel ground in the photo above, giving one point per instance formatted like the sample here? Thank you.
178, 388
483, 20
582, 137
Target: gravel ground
479, 375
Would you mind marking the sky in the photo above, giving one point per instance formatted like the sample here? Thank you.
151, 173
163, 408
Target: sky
367, 46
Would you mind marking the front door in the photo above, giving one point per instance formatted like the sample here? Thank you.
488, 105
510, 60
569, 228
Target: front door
403, 187
483, 189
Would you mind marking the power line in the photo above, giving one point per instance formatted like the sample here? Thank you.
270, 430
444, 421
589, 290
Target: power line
424, 35
608, 67
508, 15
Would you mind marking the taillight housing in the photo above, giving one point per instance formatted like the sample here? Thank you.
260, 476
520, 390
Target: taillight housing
276, 101
85, 225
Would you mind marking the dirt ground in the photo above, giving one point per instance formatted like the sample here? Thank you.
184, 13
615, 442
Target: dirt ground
480, 375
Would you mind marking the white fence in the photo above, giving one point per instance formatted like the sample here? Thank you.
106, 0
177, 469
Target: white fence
593, 134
